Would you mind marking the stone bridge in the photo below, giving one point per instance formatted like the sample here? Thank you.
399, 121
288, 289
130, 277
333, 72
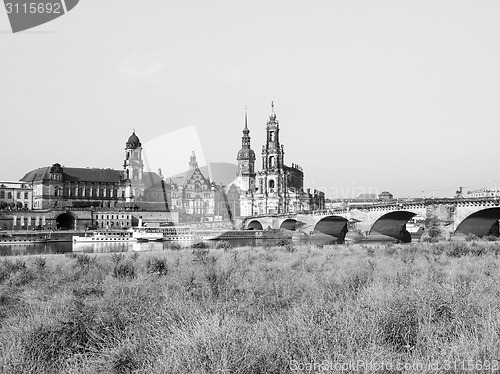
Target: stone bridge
456, 216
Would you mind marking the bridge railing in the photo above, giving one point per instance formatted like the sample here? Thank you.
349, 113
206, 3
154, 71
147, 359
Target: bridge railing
392, 205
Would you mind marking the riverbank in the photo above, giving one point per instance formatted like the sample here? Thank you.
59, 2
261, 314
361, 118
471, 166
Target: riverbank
251, 310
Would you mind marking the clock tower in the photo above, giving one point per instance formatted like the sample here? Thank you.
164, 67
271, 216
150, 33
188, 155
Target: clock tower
246, 163
246, 173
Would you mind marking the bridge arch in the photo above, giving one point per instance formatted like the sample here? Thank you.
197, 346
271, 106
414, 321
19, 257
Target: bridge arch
289, 224
393, 224
481, 223
335, 226
66, 221
254, 225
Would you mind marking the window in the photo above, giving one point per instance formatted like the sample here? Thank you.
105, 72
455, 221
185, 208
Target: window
19, 196
2, 194
9, 195
26, 196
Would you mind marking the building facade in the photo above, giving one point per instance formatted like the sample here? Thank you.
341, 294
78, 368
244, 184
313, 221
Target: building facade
482, 193
16, 195
277, 188
197, 198
58, 186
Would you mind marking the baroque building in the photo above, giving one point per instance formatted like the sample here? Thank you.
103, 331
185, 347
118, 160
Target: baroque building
197, 198
58, 186
16, 195
277, 188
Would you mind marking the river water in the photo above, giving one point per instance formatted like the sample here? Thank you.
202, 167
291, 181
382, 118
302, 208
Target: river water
65, 247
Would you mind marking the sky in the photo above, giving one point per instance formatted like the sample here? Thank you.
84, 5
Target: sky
371, 96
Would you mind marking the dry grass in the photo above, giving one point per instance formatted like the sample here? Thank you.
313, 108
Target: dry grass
249, 310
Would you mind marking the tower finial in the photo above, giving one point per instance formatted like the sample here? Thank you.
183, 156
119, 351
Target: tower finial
246, 120
193, 164
272, 106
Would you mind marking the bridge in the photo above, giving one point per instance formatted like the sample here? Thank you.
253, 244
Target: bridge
456, 216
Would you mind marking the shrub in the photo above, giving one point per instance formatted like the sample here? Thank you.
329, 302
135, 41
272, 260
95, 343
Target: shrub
282, 242
432, 227
7, 268
199, 245
471, 237
491, 238
389, 249
399, 324
175, 246
125, 360
46, 345
124, 270
457, 249
157, 266
200, 255
223, 245
83, 262
40, 262
116, 257
134, 256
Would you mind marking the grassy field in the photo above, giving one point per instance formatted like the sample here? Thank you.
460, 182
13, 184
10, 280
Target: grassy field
254, 310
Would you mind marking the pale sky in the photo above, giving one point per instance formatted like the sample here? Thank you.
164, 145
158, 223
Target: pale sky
371, 95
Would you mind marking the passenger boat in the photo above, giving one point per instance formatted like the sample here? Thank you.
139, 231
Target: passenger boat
23, 239
177, 233
105, 236
147, 234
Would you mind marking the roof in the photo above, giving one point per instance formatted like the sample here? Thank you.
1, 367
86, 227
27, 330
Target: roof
151, 178
133, 142
76, 174
367, 196
385, 193
221, 173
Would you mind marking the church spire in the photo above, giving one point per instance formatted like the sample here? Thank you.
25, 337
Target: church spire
246, 131
245, 139
272, 116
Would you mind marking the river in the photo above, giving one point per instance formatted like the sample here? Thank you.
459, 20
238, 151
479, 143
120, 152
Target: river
107, 247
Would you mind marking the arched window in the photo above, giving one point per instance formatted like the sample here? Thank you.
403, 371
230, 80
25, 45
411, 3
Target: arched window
271, 161
271, 184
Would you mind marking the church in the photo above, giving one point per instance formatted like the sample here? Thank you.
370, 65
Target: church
277, 188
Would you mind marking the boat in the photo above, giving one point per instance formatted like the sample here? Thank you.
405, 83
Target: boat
147, 234
105, 236
178, 234
23, 239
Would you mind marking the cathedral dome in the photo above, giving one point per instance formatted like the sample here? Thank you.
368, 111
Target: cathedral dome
246, 154
133, 141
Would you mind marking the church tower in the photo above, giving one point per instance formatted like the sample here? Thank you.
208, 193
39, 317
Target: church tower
133, 168
246, 162
245, 177
272, 152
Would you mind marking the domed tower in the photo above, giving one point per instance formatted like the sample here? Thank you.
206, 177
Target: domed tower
270, 186
133, 166
273, 155
246, 162
272, 152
